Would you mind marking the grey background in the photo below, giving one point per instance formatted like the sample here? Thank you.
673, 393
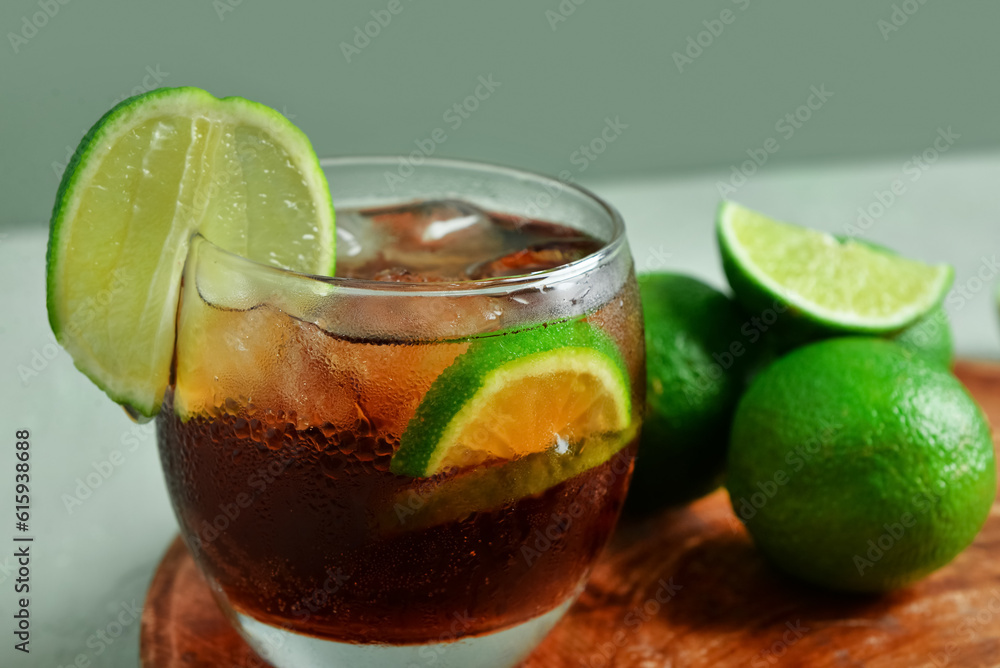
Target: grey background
558, 80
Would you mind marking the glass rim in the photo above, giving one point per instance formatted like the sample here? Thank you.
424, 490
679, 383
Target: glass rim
500, 285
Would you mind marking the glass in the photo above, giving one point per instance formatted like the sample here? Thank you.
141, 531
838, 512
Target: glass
290, 394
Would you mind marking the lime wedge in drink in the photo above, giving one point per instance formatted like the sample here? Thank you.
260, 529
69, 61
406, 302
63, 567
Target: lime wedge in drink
518, 393
452, 498
835, 285
153, 171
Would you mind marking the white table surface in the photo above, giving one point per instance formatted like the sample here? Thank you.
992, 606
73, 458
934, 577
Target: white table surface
89, 563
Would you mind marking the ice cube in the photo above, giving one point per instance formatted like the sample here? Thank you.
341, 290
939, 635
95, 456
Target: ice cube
450, 241
438, 238
359, 243
536, 257
419, 241
437, 224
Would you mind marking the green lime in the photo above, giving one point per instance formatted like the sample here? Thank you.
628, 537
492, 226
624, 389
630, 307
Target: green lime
517, 393
151, 172
828, 285
857, 466
929, 339
696, 360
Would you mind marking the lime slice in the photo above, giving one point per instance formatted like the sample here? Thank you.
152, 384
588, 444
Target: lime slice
454, 498
515, 394
845, 286
155, 169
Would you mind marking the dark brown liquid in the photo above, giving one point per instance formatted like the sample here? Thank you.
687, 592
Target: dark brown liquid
307, 550
303, 526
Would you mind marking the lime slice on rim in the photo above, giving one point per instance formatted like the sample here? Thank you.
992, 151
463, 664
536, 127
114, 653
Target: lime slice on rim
845, 286
151, 172
518, 393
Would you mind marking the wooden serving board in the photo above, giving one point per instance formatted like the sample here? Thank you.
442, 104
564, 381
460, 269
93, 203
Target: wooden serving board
687, 588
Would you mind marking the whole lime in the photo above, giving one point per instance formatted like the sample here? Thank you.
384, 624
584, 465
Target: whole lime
857, 466
929, 338
696, 357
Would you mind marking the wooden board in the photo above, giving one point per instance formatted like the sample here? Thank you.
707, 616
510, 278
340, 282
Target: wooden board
686, 588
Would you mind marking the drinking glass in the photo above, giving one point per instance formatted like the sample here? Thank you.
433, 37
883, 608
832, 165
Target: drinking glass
291, 393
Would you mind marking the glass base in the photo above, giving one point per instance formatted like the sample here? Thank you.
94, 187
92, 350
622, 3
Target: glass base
503, 649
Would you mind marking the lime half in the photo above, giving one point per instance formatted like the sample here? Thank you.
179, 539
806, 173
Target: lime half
155, 169
844, 286
515, 394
